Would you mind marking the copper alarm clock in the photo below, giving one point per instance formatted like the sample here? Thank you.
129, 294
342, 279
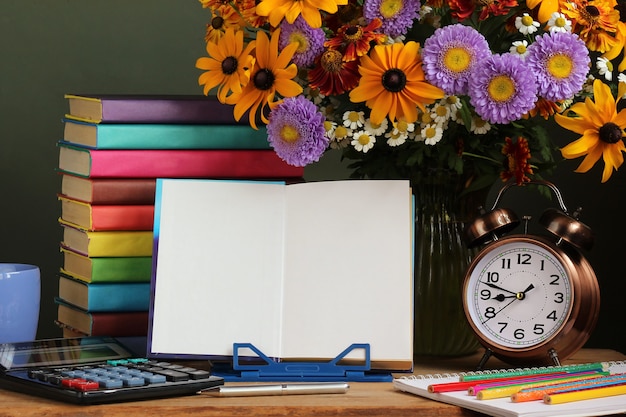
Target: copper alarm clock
530, 299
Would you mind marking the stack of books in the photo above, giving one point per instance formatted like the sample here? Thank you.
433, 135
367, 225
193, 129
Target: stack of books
113, 149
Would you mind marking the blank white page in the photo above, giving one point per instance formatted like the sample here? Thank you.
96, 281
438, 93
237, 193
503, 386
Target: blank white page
348, 269
219, 266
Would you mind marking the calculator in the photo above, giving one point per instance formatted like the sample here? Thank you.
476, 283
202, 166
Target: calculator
94, 370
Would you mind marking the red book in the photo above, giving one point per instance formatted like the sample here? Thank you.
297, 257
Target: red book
106, 217
109, 190
133, 323
150, 108
197, 163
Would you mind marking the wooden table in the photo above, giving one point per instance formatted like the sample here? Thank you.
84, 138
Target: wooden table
363, 399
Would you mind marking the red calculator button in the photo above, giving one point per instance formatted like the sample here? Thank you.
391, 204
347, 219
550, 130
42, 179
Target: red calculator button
72, 382
86, 386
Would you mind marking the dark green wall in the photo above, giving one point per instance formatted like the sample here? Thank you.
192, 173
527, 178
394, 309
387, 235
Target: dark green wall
52, 47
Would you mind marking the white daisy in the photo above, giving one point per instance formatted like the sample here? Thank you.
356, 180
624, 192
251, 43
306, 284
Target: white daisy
363, 141
559, 23
605, 67
440, 113
353, 119
342, 136
479, 126
519, 48
330, 127
396, 138
526, 25
432, 134
378, 129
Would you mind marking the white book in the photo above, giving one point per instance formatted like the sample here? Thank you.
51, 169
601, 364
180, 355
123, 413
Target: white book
301, 271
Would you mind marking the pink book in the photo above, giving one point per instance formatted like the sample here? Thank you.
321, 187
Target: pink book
198, 163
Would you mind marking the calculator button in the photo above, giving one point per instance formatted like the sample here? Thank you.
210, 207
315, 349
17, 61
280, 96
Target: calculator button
173, 375
111, 383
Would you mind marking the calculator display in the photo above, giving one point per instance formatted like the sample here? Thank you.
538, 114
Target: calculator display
58, 352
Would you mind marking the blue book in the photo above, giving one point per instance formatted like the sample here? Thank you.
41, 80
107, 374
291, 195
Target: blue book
101, 297
164, 136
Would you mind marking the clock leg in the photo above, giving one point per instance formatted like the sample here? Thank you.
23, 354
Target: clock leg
554, 356
484, 359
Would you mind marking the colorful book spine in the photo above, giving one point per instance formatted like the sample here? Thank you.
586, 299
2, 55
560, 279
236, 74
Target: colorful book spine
109, 191
96, 217
164, 136
149, 108
108, 269
76, 322
202, 163
107, 243
105, 297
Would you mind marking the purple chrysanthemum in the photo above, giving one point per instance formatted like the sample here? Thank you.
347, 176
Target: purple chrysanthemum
396, 20
296, 131
560, 62
450, 55
502, 90
311, 41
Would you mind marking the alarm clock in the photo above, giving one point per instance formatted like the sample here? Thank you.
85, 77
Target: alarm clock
530, 299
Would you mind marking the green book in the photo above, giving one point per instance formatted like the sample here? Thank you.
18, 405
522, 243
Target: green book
106, 269
164, 136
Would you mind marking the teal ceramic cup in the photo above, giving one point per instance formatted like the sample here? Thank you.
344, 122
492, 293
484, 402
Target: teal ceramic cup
20, 294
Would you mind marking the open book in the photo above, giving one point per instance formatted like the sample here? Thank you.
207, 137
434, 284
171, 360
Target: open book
301, 271
505, 407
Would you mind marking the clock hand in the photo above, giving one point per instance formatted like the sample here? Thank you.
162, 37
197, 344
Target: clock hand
501, 297
497, 312
489, 284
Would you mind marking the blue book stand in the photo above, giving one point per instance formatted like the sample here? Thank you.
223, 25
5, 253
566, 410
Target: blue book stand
270, 370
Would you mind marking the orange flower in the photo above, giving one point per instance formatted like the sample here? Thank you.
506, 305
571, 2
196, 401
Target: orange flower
393, 84
276, 10
226, 66
272, 73
602, 130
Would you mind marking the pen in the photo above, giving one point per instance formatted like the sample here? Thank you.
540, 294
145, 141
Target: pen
277, 389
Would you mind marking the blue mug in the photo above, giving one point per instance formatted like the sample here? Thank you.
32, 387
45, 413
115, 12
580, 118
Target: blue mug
20, 294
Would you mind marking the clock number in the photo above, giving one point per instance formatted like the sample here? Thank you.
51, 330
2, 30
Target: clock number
558, 297
552, 316
485, 294
538, 329
490, 312
503, 325
523, 258
506, 263
493, 277
555, 281
543, 262
518, 334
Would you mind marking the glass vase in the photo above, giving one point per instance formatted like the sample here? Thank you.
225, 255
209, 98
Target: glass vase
441, 259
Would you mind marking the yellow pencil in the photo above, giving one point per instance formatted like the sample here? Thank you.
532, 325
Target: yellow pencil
585, 394
508, 390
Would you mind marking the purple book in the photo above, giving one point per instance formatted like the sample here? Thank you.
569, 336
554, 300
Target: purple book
150, 108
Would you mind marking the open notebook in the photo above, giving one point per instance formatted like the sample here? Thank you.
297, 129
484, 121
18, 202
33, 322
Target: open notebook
504, 407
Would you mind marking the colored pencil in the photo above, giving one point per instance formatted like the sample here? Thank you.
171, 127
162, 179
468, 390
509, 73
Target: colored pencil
585, 394
597, 366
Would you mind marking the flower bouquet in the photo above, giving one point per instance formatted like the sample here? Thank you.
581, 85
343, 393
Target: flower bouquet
453, 95
403, 87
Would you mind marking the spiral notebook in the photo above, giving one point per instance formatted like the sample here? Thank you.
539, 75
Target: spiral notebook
504, 407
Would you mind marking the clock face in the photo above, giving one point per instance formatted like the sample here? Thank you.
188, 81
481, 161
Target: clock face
518, 294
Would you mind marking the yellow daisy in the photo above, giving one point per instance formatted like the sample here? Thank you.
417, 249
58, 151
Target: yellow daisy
392, 83
272, 73
276, 10
602, 130
227, 65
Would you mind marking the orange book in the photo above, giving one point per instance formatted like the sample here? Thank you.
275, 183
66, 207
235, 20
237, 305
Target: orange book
106, 216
